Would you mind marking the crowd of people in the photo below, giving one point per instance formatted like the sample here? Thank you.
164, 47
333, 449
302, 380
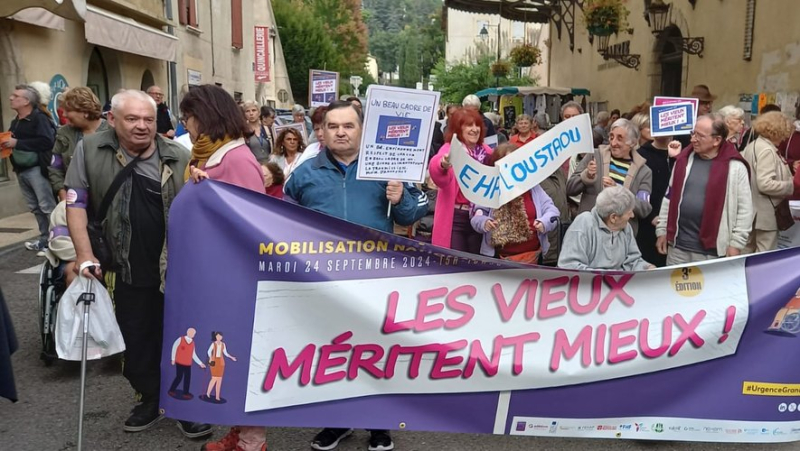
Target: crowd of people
635, 203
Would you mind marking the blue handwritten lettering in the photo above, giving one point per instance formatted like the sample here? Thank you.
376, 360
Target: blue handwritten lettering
505, 183
518, 172
486, 187
576, 136
532, 167
564, 136
463, 175
556, 147
541, 157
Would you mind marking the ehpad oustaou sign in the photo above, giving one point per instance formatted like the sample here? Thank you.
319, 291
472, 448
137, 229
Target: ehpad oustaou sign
398, 128
337, 325
526, 167
323, 87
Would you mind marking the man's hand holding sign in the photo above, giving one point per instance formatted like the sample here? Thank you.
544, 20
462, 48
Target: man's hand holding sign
523, 169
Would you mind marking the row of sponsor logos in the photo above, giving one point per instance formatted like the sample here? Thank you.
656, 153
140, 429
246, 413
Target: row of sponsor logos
554, 427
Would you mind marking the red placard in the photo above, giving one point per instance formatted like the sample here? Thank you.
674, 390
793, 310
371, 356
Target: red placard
261, 37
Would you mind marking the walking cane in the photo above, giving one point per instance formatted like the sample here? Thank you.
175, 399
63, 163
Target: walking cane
87, 298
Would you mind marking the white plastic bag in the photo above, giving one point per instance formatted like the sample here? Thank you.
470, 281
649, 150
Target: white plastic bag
104, 336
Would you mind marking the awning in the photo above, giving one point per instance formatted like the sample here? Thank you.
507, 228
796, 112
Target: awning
538, 11
68, 9
537, 90
110, 30
41, 17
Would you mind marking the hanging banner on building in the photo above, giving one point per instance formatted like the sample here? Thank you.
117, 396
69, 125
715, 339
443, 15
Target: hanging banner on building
398, 128
323, 87
526, 167
672, 119
261, 61
312, 321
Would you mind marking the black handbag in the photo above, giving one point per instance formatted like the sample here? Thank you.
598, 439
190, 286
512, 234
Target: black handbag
783, 215
100, 246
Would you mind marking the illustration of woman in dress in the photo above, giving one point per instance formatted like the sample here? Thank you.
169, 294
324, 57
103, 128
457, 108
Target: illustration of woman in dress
216, 361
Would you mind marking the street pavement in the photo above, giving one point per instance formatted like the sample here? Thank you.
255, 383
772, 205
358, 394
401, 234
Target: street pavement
45, 418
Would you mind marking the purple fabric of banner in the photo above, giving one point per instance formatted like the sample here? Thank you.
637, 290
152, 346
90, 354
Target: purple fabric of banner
214, 235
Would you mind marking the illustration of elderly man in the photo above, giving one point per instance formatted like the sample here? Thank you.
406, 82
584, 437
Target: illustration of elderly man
183, 354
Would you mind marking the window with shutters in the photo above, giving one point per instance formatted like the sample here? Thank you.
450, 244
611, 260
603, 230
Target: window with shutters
237, 39
187, 12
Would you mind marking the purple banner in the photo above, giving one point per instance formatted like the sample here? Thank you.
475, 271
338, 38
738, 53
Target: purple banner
312, 321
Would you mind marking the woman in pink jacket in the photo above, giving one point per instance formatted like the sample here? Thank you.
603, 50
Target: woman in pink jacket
217, 129
451, 223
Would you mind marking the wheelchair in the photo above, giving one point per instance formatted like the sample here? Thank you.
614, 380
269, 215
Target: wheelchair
52, 285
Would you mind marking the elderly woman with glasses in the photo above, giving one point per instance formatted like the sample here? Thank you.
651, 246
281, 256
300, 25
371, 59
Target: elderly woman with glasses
618, 164
603, 238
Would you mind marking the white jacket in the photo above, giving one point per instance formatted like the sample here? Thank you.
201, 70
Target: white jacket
737, 212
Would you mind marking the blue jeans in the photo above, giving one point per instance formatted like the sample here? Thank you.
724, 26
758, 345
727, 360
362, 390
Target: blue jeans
38, 195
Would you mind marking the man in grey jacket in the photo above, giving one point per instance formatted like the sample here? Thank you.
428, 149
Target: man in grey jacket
603, 238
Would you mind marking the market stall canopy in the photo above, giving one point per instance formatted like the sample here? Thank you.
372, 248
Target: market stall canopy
68, 9
536, 90
538, 11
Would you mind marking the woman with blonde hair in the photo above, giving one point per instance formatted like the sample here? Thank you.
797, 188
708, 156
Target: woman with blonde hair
83, 110
770, 178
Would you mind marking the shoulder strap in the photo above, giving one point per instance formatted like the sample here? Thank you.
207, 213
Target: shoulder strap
115, 185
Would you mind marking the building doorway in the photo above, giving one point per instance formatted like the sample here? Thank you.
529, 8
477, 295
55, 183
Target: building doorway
147, 80
671, 60
97, 78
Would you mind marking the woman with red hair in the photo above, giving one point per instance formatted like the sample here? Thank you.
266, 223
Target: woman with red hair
451, 223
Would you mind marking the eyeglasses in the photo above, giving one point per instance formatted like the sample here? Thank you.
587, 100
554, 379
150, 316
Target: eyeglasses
156, 94
701, 136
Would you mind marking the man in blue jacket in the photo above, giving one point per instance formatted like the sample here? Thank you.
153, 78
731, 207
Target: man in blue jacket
327, 183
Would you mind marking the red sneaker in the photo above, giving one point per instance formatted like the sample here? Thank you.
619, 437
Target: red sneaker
227, 443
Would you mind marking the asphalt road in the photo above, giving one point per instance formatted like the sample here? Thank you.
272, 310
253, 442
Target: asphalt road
45, 418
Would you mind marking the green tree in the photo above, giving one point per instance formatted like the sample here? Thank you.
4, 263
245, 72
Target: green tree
392, 22
344, 22
410, 64
460, 80
306, 44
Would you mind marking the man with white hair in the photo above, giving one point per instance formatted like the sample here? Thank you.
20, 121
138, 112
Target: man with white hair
147, 170
473, 102
32, 140
603, 238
